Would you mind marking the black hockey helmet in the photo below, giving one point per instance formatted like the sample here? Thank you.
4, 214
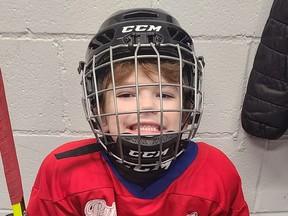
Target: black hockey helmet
137, 34
137, 26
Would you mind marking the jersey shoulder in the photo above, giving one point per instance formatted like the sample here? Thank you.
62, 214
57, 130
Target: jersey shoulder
211, 157
212, 176
73, 145
70, 169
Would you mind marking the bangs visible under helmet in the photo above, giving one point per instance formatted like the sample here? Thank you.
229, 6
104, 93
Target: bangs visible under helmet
139, 35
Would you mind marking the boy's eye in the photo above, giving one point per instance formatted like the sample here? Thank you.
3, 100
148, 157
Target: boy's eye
166, 95
125, 95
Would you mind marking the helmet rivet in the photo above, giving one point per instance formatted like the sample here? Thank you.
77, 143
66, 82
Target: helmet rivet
127, 39
158, 39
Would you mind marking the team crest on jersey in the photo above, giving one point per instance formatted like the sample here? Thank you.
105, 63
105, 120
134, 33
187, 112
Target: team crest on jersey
98, 207
193, 214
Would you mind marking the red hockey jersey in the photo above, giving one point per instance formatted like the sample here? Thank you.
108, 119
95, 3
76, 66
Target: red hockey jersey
78, 179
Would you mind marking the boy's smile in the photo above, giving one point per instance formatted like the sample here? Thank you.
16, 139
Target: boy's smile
149, 108
145, 127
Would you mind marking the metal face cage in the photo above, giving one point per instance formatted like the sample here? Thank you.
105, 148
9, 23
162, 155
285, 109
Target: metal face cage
144, 149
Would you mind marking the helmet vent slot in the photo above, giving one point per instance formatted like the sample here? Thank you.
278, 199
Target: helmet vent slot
178, 35
140, 14
104, 38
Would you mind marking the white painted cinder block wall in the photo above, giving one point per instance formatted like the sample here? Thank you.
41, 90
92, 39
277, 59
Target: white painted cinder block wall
41, 43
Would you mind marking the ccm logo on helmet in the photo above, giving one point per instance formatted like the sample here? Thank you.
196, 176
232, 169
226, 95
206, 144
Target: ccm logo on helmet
141, 28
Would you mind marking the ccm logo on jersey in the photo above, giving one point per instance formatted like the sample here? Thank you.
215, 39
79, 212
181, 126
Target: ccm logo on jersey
141, 28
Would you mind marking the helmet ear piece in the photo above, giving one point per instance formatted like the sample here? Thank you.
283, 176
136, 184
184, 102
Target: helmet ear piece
197, 118
97, 123
81, 67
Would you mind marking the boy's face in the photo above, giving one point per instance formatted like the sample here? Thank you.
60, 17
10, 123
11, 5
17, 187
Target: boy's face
149, 99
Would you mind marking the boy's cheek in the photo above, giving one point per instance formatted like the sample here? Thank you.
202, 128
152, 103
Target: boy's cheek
105, 125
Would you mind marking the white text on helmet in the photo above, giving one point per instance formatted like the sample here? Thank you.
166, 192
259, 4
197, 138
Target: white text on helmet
141, 28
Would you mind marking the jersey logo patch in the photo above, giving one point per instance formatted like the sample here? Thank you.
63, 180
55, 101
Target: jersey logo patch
98, 207
193, 214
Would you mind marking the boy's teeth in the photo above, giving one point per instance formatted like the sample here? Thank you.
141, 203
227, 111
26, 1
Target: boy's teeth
146, 128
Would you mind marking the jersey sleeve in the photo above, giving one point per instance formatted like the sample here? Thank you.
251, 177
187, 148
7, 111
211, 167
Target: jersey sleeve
221, 177
40, 202
239, 206
40, 207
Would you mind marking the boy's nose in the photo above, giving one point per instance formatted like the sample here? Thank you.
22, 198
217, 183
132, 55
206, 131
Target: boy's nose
148, 102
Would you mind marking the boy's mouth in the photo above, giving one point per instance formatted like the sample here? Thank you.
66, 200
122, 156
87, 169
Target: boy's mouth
145, 128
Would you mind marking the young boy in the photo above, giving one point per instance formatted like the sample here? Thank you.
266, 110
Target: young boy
142, 85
